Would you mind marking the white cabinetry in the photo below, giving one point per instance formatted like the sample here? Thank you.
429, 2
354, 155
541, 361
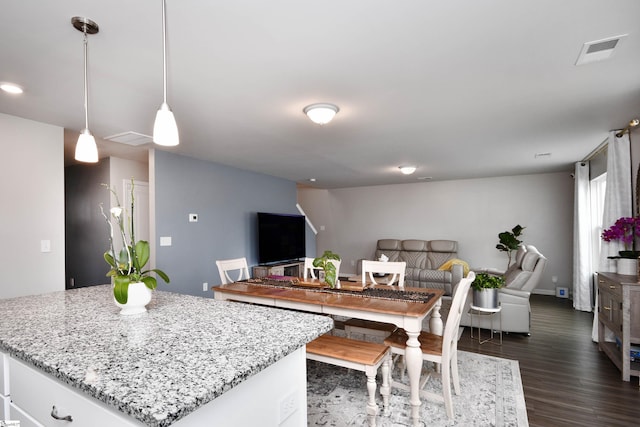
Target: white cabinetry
4, 387
35, 394
276, 396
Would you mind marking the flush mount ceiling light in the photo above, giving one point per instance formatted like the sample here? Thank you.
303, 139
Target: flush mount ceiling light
86, 149
165, 129
321, 113
11, 88
407, 170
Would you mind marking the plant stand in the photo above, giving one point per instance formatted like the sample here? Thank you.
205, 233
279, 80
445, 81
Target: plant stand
482, 311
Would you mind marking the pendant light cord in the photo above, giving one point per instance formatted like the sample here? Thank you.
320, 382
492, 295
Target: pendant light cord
86, 86
164, 48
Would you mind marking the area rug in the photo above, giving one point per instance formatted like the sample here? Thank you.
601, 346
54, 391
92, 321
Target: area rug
491, 395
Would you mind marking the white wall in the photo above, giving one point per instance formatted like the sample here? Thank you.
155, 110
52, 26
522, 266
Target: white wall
32, 191
472, 212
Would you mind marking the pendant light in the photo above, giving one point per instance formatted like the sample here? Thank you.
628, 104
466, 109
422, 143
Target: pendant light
165, 130
86, 149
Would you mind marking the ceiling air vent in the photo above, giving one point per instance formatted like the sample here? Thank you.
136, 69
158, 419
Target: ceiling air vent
130, 138
598, 50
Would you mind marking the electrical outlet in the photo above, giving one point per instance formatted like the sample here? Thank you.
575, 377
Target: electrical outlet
193, 217
287, 407
205, 287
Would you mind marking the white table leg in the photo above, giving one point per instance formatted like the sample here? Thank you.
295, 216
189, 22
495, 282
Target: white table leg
413, 358
435, 322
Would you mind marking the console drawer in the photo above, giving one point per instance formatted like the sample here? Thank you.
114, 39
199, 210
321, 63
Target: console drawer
36, 394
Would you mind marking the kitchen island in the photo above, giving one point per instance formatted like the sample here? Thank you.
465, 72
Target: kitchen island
176, 363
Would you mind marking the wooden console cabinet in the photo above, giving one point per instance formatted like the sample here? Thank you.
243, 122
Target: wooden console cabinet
619, 312
292, 268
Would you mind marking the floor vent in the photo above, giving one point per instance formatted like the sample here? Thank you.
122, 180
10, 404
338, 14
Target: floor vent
598, 50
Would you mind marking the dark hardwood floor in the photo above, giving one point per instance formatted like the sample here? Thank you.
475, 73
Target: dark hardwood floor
566, 380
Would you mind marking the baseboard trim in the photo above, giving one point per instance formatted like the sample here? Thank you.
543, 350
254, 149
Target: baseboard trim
551, 292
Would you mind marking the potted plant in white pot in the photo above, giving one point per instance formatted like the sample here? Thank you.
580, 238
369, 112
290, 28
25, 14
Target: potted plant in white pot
325, 262
132, 284
485, 290
625, 230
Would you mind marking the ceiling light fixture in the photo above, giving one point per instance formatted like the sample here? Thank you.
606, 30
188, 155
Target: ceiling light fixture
11, 88
407, 170
321, 113
86, 149
165, 129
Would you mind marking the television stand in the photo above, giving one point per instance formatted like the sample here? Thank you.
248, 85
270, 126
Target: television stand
288, 268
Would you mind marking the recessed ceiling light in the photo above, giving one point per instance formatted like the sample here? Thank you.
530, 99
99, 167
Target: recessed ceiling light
407, 170
312, 179
11, 88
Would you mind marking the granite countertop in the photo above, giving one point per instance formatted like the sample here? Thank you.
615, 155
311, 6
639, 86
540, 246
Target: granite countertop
157, 366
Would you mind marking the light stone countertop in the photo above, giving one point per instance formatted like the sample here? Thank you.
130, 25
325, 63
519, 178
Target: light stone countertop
158, 366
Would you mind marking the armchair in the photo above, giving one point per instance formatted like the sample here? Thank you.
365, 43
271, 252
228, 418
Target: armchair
521, 278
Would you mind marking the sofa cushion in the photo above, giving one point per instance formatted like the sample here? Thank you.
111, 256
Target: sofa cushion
390, 248
389, 244
443, 246
517, 278
529, 261
415, 245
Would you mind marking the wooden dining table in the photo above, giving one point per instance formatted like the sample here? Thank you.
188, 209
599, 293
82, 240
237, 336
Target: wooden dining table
405, 308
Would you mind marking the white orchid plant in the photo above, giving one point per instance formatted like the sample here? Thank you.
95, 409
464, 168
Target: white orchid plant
127, 265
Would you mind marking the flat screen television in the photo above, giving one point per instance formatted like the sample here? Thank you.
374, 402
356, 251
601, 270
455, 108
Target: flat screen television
281, 237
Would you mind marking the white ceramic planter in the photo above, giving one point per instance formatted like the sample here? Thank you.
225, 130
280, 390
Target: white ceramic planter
627, 266
139, 297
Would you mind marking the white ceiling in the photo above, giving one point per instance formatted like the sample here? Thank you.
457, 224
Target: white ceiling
461, 89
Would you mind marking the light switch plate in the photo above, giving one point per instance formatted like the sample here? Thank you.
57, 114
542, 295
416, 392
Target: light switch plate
165, 241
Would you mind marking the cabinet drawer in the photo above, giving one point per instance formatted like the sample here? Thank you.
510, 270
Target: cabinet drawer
36, 394
24, 418
611, 287
4, 375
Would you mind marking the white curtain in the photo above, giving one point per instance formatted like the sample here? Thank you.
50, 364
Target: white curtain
617, 197
582, 268
617, 203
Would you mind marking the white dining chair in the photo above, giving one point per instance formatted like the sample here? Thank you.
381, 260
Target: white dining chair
396, 269
225, 266
378, 330
441, 350
309, 268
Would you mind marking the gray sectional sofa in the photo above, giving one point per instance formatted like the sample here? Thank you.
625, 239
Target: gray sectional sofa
423, 257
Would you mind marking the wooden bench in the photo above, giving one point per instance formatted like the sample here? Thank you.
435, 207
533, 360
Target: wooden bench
369, 327
363, 356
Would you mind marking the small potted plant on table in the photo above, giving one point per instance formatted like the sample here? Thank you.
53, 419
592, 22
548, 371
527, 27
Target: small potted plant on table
325, 262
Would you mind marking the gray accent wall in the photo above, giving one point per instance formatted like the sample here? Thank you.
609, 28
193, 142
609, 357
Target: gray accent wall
226, 200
